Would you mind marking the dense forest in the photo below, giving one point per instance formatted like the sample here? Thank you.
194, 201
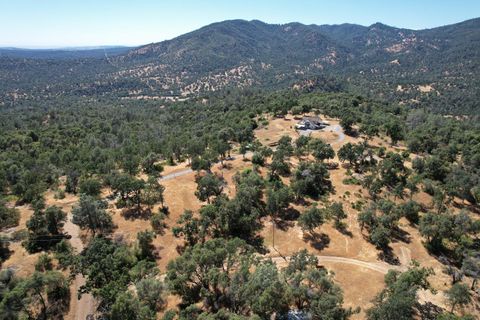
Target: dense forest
106, 143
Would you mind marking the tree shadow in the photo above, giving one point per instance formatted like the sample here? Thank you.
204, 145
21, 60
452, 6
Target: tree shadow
283, 224
111, 197
161, 231
424, 207
388, 256
302, 202
165, 210
346, 165
428, 311
352, 133
445, 257
317, 241
180, 248
331, 189
291, 214
342, 228
286, 220
401, 235
135, 213
257, 243
5, 253
332, 165
469, 207
227, 166
44, 242
156, 252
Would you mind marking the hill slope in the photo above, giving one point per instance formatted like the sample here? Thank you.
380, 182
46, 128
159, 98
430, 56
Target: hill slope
437, 68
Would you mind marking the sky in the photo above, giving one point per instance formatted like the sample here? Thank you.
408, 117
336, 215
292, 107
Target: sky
67, 23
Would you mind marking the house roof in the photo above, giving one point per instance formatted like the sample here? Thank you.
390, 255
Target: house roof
312, 119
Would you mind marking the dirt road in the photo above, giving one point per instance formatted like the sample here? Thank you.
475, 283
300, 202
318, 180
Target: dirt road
183, 172
381, 267
338, 130
173, 175
79, 309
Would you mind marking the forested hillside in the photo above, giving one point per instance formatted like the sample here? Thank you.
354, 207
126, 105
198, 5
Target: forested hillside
435, 68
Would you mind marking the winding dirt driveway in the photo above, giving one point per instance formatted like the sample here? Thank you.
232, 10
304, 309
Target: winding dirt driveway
338, 130
381, 267
173, 175
86, 305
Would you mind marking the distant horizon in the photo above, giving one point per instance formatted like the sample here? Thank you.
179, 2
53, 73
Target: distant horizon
72, 48
56, 24
104, 46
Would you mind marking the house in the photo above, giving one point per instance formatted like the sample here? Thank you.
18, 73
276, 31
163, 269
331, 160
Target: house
311, 123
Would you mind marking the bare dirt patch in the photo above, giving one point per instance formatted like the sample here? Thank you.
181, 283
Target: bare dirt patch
276, 128
425, 88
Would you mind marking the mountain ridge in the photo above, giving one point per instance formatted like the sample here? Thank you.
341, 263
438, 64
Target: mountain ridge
435, 67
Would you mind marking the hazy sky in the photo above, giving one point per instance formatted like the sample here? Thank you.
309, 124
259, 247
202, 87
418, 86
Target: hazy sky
55, 23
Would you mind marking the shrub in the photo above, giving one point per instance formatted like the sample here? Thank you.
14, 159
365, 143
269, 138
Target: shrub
258, 159
157, 221
44, 263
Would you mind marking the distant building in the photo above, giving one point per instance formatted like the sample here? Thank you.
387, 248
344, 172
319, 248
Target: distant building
311, 123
